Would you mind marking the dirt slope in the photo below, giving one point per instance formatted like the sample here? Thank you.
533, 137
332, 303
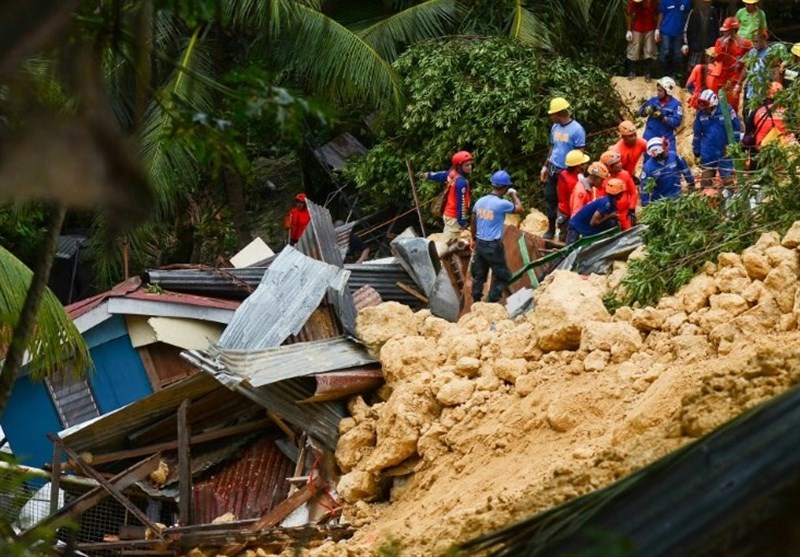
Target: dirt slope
491, 420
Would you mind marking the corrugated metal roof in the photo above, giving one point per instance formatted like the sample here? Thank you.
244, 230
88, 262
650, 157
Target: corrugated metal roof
290, 291
336, 152
319, 238
263, 367
320, 420
365, 297
341, 384
68, 245
248, 487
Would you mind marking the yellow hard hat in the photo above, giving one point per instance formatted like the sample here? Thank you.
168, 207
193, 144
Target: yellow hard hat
577, 157
557, 105
795, 50
750, 1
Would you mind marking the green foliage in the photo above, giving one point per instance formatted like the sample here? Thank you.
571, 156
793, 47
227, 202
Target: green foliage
487, 95
23, 227
14, 491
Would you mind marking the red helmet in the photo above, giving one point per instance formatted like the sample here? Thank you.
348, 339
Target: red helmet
729, 23
301, 197
462, 157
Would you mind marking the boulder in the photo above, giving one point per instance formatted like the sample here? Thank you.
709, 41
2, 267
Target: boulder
732, 279
694, 295
779, 255
781, 282
406, 357
792, 237
596, 361
377, 324
755, 263
729, 259
455, 392
509, 369
468, 366
648, 319
734, 304
767, 240
621, 338
354, 445
358, 485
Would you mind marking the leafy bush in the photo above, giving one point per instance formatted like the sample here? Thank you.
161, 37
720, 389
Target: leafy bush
489, 96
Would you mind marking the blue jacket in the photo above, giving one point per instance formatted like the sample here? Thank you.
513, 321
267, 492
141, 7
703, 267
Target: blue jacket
710, 137
667, 175
671, 118
675, 13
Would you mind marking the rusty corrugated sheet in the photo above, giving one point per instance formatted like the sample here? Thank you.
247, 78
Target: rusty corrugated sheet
248, 487
342, 384
264, 367
322, 324
290, 291
365, 297
335, 153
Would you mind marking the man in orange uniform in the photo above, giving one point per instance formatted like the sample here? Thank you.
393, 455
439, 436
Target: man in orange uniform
297, 219
630, 147
631, 195
705, 76
567, 180
590, 188
456, 208
730, 49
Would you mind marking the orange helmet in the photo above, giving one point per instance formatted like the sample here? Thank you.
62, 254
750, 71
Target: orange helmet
774, 88
462, 157
729, 23
615, 186
598, 169
627, 127
610, 158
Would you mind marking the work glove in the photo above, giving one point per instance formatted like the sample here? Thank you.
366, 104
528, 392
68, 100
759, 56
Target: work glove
685, 50
512, 191
648, 110
629, 36
658, 36
422, 175
656, 113
696, 156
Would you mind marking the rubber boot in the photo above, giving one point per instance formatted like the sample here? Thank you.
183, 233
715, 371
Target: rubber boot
648, 68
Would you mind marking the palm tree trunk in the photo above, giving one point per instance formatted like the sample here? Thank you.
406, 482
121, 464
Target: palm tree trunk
235, 191
27, 317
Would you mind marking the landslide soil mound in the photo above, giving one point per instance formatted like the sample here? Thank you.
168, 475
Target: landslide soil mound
490, 420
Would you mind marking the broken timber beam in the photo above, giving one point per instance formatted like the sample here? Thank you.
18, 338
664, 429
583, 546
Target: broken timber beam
409, 290
73, 510
184, 466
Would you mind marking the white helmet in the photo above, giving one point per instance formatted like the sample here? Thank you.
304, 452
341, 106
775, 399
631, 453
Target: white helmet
668, 84
709, 97
655, 146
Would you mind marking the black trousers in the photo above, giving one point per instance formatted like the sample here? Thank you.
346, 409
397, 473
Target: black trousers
489, 255
551, 196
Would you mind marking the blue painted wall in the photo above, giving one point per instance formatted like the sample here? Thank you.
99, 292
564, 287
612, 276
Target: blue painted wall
119, 379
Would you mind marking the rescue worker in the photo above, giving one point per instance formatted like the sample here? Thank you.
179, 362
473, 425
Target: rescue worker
567, 179
630, 147
487, 237
589, 188
456, 207
705, 76
665, 168
611, 159
640, 19
297, 218
597, 216
566, 134
769, 120
730, 49
711, 139
664, 112
751, 18
671, 22
700, 32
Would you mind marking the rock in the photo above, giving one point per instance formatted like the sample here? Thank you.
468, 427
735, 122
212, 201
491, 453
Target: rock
359, 486
468, 367
377, 324
714, 317
435, 327
732, 279
787, 323
695, 295
729, 259
624, 313
734, 304
782, 284
596, 360
792, 237
689, 329
767, 240
565, 302
526, 384
621, 338
648, 319
779, 255
673, 322
431, 444
346, 424
561, 416
454, 346
755, 263
359, 409
535, 222
482, 316
762, 318
509, 369
455, 392
405, 357
355, 445
753, 292
691, 348
709, 268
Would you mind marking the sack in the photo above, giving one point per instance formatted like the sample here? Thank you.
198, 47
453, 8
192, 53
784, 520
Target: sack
438, 203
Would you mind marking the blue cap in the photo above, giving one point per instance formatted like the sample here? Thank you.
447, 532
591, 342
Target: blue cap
501, 178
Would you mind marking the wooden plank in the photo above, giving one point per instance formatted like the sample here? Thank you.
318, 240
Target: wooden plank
149, 368
114, 492
184, 466
71, 512
408, 290
172, 445
55, 476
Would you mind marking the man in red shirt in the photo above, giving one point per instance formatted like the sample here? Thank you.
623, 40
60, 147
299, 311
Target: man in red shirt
641, 19
730, 49
612, 160
630, 147
590, 188
297, 219
567, 179
705, 76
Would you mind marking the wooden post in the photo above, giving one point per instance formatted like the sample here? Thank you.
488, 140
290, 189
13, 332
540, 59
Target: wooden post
55, 476
184, 466
414, 191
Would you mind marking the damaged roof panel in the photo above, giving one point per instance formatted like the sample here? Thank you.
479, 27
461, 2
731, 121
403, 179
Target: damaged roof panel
340, 384
290, 291
264, 367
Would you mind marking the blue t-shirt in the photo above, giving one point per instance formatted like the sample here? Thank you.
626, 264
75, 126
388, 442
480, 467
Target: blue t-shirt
580, 220
490, 213
564, 139
675, 13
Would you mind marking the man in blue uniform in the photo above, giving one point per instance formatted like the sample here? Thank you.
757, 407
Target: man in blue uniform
597, 216
487, 237
664, 112
665, 168
669, 34
711, 139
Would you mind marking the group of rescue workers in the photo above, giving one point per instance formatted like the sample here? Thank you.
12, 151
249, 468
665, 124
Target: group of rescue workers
585, 197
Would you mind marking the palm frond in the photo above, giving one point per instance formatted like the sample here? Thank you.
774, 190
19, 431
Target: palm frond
528, 29
267, 15
55, 340
417, 23
339, 63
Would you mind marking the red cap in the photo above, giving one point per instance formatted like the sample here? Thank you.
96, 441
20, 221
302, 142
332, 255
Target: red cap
301, 197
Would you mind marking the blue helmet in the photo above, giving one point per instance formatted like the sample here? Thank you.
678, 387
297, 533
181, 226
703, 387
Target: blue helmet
501, 178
